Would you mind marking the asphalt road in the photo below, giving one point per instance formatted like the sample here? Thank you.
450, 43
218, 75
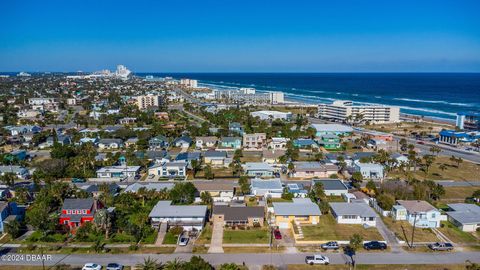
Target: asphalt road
252, 259
452, 183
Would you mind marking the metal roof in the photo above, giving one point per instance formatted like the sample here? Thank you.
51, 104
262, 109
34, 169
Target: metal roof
299, 207
464, 213
352, 209
166, 209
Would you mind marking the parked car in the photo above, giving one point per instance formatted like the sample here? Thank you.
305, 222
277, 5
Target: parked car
91, 266
182, 240
78, 180
420, 142
317, 259
374, 245
441, 246
114, 266
330, 245
151, 176
277, 234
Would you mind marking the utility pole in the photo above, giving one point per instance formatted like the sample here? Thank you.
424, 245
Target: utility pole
413, 230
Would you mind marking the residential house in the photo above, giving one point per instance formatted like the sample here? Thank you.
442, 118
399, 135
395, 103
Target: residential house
76, 212
399, 159
127, 120
131, 142
231, 142
334, 129
330, 141
297, 189
254, 141
313, 169
354, 213
96, 189
301, 210
190, 217
250, 216
158, 142
19, 130
305, 143
153, 155
118, 171
188, 157
135, 187
111, 129
369, 170
19, 171
258, 169
205, 142
221, 191
278, 143
110, 143
235, 128
332, 187
272, 156
84, 140
215, 158
169, 169
162, 116
19, 155
420, 213
61, 139
8, 212
183, 142
266, 188
465, 216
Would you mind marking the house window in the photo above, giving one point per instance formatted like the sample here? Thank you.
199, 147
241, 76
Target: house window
433, 215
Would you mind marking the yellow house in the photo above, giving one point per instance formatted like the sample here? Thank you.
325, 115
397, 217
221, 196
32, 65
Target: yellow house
301, 210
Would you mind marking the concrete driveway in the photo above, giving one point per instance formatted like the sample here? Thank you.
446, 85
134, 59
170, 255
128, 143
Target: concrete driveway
217, 238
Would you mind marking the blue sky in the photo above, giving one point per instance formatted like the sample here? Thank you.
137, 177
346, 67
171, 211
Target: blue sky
241, 36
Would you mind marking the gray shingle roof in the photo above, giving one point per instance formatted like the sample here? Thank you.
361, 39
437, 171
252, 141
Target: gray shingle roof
352, 209
465, 213
331, 184
239, 213
266, 184
71, 204
165, 209
299, 207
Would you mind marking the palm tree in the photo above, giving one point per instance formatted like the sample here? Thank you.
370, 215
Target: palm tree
175, 264
149, 264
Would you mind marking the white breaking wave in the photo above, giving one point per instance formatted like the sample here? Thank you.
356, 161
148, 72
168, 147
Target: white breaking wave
435, 101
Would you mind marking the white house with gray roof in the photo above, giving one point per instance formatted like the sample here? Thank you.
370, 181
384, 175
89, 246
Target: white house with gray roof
258, 169
190, 217
465, 216
19, 171
354, 213
269, 188
332, 187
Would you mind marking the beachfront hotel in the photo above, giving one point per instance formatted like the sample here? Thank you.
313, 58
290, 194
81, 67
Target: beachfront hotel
345, 111
469, 121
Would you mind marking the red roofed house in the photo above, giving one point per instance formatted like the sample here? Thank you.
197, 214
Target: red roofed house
76, 212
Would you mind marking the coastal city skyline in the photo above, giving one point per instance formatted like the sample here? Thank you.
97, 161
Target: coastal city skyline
247, 36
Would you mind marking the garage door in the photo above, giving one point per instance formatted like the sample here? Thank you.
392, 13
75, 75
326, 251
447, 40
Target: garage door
283, 225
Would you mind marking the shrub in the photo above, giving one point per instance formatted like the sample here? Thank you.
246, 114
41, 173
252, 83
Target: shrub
176, 230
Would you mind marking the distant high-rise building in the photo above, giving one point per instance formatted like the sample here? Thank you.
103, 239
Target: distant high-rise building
468, 121
147, 101
189, 83
122, 72
345, 111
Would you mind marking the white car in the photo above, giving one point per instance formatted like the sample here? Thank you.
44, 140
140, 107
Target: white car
92, 266
183, 240
317, 259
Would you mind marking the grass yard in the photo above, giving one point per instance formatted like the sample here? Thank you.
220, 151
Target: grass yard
410, 127
335, 199
170, 239
456, 235
458, 194
465, 171
328, 229
253, 249
252, 236
205, 236
421, 235
251, 156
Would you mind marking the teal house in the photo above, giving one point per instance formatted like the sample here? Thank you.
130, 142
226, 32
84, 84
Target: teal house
330, 141
231, 142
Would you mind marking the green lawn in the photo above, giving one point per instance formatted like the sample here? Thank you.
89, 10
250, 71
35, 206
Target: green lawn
335, 199
170, 238
328, 229
402, 228
252, 236
456, 235
205, 236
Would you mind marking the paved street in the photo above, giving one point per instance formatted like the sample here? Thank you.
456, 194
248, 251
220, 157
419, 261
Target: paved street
262, 258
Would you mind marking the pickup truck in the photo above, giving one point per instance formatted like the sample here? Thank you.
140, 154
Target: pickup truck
317, 259
330, 245
441, 246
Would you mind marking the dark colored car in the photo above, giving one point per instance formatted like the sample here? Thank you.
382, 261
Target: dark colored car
114, 266
375, 245
277, 234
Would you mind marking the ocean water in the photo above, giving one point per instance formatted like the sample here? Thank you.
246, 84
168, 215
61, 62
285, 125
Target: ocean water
439, 95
